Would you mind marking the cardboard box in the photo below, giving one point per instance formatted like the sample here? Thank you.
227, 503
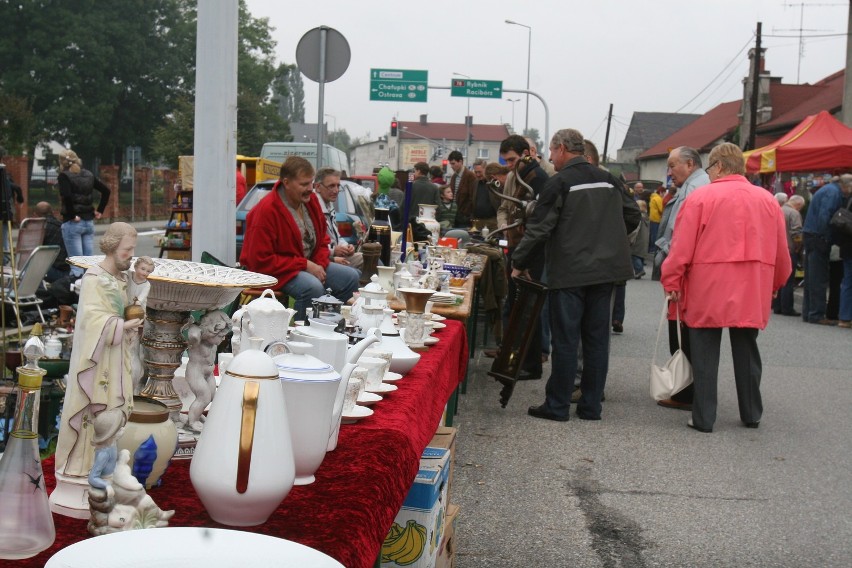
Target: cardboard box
417, 531
447, 550
445, 438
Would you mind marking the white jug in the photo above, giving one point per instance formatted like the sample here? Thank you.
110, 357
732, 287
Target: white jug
243, 463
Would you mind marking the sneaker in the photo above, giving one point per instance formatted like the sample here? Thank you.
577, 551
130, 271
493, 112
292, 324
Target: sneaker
846, 324
617, 326
639, 275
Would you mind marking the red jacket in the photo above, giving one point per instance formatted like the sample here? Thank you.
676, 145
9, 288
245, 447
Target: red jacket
728, 254
273, 243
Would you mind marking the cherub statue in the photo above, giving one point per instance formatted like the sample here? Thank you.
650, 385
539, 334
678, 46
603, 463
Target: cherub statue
137, 293
204, 338
117, 501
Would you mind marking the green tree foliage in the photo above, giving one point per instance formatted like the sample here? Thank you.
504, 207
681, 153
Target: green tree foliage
17, 124
175, 137
340, 139
98, 75
535, 136
289, 94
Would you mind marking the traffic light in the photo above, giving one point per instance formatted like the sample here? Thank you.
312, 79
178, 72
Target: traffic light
444, 164
394, 126
470, 139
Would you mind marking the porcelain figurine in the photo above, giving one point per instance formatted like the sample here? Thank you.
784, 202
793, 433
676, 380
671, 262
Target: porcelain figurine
117, 501
138, 288
99, 375
203, 339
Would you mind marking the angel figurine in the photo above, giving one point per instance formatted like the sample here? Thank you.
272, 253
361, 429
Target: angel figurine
203, 338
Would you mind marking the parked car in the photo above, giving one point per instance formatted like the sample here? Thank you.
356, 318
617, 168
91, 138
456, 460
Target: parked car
354, 211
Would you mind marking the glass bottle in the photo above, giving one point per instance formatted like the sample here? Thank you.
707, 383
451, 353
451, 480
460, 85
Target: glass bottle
26, 523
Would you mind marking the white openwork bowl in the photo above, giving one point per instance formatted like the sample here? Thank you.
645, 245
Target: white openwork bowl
181, 285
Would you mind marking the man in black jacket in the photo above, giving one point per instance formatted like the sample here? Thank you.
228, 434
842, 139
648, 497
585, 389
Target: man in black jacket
581, 220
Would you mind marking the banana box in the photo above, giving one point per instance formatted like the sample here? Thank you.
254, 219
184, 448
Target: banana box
416, 533
447, 549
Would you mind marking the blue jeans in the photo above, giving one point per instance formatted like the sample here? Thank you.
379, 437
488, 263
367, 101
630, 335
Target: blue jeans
817, 252
846, 291
343, 281
579, 313
638, 264
652, 236
78, 237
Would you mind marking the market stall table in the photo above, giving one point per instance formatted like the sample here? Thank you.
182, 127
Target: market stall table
359, 487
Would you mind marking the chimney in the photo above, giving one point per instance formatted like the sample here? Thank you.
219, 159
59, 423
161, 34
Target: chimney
423, 120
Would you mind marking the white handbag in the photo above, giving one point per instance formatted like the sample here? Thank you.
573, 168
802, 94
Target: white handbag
676, 374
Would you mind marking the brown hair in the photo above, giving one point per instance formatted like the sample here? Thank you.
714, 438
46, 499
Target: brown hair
495, 169
294, 166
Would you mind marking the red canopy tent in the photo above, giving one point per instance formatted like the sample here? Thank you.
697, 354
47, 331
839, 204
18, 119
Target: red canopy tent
819, 143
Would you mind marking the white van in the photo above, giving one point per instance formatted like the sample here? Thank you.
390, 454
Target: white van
331, 157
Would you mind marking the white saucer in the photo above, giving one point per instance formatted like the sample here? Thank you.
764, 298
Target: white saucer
368, 398
390, 377
431, 341
384, 387
438, 325
436, 317
356, 414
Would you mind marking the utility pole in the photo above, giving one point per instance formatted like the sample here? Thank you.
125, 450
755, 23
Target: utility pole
847, 80
606, 139
755, 89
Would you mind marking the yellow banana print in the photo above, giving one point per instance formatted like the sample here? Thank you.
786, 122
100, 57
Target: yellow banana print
404, 546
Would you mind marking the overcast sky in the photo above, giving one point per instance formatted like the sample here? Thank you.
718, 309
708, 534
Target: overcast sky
655, 56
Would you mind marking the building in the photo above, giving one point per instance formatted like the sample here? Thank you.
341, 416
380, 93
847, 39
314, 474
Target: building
648, 128
429, 142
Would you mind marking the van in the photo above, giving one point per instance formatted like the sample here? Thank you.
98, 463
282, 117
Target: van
331, 157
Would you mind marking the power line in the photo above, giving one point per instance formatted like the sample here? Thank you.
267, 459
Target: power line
844, 34
725, 68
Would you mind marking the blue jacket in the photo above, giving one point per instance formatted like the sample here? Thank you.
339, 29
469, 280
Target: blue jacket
824, 204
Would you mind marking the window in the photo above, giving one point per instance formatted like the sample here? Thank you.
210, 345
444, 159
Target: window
482, 153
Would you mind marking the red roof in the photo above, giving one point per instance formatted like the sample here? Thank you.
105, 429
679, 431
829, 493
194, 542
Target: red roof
453, 131
826, 94
701, 133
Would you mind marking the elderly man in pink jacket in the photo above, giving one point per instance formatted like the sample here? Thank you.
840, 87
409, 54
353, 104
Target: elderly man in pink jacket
727, 260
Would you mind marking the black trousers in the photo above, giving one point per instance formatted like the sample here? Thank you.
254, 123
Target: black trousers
685, 396
748, 368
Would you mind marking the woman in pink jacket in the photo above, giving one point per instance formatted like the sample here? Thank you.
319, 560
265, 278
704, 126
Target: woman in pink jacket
728, 258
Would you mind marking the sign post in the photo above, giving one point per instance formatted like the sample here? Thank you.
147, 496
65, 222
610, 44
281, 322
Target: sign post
477, 88
398, 85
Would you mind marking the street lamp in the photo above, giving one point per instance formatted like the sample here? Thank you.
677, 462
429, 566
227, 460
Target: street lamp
513, 101
333, 132
466, 118
529, 51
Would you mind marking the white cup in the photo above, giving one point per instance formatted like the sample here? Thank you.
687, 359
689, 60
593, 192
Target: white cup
381, 354
375, 370
224, 360
351, 395
360, 375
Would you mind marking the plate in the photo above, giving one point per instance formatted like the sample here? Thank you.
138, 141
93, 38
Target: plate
384, 387
438, 325
390, 377
356, 414
187, 546
368, 398
436, 317
431, 341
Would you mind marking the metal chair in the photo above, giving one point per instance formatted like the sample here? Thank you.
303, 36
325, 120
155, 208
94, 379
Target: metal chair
30, 236
28, 280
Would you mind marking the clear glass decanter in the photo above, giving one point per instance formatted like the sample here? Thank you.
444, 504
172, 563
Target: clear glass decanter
26, 523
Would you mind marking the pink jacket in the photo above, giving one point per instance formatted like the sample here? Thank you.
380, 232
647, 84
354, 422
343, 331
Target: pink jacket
728, 255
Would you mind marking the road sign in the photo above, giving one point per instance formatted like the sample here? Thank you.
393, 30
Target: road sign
477, 88
398, 85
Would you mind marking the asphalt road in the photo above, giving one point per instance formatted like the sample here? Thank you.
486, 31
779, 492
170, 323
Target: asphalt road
639, 488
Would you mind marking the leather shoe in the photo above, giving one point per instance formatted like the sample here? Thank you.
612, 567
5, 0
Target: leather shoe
793, 313
672, 403
754, 425
584, 416
824, 322
491, 353
541, 411
694, 427
528, 376
617, 326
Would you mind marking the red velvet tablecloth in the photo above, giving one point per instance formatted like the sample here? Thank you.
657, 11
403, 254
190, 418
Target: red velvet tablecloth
347, 512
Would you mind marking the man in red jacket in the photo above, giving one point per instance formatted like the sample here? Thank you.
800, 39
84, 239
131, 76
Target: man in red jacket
727, 259
286, 237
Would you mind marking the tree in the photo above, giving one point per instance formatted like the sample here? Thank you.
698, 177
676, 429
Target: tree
289, 94
17, 124
340, 139
533, 134
98, 75
175, 137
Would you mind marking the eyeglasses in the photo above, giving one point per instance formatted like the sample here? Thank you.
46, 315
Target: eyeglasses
707, 169
331, 186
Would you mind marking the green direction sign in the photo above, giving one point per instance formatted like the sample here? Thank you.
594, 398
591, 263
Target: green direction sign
398, 85
477, 88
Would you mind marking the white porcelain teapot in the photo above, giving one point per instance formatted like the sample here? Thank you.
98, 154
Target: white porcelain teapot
263, 317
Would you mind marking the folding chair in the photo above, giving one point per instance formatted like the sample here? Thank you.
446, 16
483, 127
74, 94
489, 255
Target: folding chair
28, 280
30, 236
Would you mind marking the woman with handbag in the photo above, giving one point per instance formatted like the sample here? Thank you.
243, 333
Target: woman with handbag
727, 259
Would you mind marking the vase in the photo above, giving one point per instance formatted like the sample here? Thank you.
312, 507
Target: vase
26, 523
151, 439
426, 216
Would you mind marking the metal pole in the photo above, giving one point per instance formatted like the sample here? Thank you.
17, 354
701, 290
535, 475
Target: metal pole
320, 124
606, 138
133, 183
529, 59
